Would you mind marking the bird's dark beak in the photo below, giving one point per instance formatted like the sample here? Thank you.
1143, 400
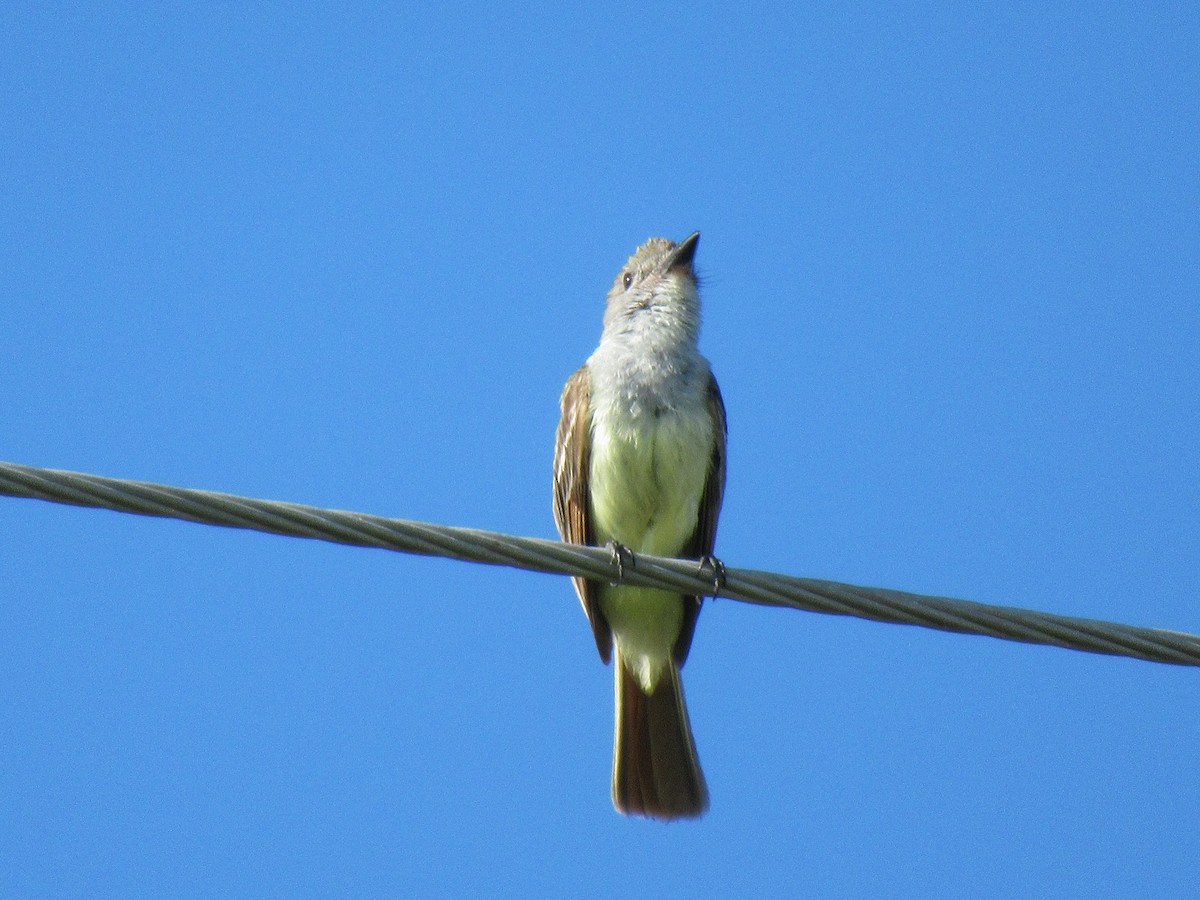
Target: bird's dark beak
681, 256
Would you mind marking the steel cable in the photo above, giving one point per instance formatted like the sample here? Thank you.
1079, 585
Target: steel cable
536, 554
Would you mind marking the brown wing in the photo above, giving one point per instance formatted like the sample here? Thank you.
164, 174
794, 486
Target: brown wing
572, 456
704, 537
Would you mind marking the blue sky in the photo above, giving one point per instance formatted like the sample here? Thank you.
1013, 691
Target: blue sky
347, 256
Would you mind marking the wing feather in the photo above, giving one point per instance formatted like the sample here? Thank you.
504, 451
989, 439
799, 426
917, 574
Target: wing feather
572, 456
704, 538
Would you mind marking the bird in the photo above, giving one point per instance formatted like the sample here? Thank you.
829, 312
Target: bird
639, 466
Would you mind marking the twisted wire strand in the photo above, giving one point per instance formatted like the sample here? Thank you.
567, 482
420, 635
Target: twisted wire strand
536, 554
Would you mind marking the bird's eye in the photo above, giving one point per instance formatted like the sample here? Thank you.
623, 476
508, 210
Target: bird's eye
628, 279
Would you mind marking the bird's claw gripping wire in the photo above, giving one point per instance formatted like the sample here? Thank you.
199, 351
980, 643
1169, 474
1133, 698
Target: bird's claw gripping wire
718, 572
620, 555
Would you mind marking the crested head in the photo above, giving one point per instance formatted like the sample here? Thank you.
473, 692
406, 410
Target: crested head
656, 288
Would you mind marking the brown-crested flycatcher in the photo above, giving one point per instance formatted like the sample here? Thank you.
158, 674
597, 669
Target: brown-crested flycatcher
639, 464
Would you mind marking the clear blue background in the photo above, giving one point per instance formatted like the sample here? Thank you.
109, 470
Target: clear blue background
347, 256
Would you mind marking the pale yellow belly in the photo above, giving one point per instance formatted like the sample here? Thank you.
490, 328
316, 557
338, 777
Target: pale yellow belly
645, 485
645, 491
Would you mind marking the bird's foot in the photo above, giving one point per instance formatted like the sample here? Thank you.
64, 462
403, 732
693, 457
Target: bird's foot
620, 556
714, 565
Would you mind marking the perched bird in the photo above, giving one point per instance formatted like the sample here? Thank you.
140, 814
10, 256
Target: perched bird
639, 465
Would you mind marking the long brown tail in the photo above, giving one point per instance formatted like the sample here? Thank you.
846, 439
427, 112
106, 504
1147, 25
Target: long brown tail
655, 769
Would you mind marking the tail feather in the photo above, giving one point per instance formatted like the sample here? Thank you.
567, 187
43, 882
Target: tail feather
655, 769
